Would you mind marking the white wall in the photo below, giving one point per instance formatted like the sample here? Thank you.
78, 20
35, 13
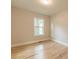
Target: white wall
23, 27
59, 28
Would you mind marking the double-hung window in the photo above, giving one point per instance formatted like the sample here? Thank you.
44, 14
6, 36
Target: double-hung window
38, 26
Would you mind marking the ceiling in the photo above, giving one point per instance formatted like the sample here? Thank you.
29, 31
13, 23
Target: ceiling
38, 6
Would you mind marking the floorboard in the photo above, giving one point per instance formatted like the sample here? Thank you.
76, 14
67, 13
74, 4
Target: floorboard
42, 50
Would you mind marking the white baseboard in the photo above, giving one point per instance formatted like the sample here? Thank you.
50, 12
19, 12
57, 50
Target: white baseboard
27, 43
65, 44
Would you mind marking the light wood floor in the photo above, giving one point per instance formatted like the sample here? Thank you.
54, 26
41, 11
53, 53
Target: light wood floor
42, 50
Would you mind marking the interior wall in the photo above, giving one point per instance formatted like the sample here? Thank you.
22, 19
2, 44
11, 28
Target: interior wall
59, 27
23, 27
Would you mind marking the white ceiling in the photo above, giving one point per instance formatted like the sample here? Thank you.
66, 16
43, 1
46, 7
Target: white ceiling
39, 7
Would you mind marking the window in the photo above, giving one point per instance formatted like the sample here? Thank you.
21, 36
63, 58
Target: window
38, 26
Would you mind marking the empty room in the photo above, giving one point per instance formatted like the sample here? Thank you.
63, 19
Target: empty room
39, 29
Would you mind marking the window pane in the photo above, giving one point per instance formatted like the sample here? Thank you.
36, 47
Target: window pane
36, 31
41, 22
41, 31
35, 22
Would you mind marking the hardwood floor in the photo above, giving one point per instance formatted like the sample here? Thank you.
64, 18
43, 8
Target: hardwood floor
42, 50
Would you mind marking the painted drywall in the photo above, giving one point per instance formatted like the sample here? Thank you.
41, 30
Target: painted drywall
23, 26
59, 27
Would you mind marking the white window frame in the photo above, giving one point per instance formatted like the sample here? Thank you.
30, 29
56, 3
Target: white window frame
38, 26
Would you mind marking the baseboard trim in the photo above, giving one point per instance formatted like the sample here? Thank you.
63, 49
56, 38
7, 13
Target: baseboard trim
65, 44
27, 43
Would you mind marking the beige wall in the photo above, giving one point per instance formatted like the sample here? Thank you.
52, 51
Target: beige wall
59, 28
22, 26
